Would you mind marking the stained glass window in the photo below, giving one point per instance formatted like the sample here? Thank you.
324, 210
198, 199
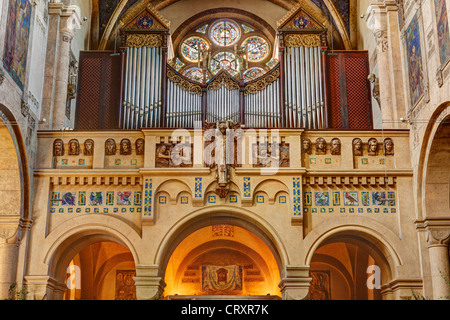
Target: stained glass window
195, 74
202, 29
247, 29
253, 73
192, 47
178, 64
225, 33
226, 61
257, 49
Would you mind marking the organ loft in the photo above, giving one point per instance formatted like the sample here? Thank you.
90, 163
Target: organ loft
258, 149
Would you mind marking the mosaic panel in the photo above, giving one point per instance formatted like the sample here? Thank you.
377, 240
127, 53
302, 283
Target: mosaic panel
297, 196
148, 187
198, 188
353, 202
247, 189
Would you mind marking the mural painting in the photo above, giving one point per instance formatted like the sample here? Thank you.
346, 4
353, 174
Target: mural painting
442, 28
16, 41
414, 55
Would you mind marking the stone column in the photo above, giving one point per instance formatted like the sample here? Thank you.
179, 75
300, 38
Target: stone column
54, 15
9, 247
70, 21
382, 20
149, 284
438, 239
295, 282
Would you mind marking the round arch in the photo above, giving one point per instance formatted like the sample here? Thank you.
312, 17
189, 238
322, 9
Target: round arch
16, 138
221, 215
70, 238
375, 240
440, 117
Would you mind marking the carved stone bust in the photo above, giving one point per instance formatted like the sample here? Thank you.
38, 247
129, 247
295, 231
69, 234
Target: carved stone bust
357, 147
307, 146
373, 147
335, 147
110, 147
58, 148
140, 147
89, 147
125, 147
388, 147
321, 146
74, 147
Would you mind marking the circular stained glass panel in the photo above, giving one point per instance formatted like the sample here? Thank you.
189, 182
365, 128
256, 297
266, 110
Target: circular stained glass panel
195, 74
192, 47
225, 33
226, 61
257, 49
253, 73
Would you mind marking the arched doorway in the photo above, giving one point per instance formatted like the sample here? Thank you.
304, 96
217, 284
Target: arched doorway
91, 263
101, 271
348, 266
220, 261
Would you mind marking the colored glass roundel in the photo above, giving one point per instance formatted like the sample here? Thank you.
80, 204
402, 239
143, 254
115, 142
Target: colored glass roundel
257, 49
195, 74
225, 33
145, 22
226, 61
253, 73
302, 22
192, 47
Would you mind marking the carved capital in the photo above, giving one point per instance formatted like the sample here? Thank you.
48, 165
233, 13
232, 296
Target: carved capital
9, 234
438, 236
149, 285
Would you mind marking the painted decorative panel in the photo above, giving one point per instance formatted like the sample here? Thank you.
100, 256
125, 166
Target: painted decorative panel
221, 278
442, 28
414, 56
125, 287
17, 39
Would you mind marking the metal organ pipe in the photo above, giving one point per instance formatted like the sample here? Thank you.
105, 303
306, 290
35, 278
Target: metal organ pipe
304, 97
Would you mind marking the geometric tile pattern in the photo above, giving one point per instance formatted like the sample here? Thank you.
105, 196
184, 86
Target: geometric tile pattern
297, 196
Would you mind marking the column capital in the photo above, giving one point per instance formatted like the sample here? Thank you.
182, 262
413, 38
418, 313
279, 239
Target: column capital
376, 17
438, 236
149, 284
9, 230
70, 21
295, 283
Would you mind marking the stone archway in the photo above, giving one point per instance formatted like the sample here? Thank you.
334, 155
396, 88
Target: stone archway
223, 260
436, 205
207, 238
350, 265
14, 202
88, 264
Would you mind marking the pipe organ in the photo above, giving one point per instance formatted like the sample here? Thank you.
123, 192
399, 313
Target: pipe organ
303, 86
223, 99
184, 101
143, 83
295, 93
262, 101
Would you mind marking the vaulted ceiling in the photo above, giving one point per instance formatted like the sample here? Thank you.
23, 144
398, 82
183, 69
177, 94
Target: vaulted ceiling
107, 14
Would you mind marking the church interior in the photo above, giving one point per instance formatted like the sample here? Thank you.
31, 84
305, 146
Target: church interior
233, 149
